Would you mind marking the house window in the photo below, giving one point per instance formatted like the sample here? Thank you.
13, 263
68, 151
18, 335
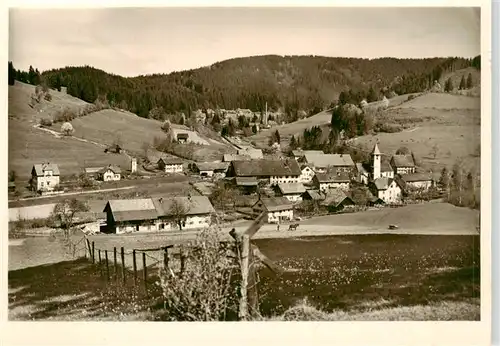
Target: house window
48, 183
162, 226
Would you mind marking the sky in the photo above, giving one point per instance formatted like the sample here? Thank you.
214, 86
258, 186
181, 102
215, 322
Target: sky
137, 41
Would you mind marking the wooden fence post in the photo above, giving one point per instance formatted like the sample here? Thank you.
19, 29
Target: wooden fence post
100, 266
122, 253
107, 265
93, 252
245, 249
145, 274
90, 249
135, 267
165, 259
182, 258
115, 264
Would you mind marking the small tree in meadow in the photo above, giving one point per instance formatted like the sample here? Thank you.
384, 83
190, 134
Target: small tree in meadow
203, 292
67, 129
64, 213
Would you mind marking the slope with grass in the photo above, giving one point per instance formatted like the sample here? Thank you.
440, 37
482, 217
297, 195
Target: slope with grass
439, 128
28, 145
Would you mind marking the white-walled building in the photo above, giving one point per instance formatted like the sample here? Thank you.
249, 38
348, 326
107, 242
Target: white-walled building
387, 189
417, 181
210, 169
278, 209
403, 164
158, 214
109, 173
306, 175
45, 177
322, 163
292, 191
381, 167
171, 165
327, 181
274, 171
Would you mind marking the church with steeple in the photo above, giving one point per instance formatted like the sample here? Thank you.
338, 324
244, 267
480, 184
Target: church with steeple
381, 181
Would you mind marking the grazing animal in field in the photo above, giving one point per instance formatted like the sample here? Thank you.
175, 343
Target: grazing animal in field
293, 227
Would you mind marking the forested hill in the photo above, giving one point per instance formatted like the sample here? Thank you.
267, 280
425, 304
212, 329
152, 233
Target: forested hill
291, 82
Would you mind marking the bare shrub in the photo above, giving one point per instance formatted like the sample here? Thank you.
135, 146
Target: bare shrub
46, 122
388, 128
48, 97
203, 292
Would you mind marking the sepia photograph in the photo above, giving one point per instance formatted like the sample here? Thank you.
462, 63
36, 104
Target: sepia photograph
258, 164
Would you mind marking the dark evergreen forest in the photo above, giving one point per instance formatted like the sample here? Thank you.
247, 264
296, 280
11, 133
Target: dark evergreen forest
292, 83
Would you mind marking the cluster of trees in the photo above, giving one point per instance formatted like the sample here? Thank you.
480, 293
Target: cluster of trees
462, 188
32, 76
292, 83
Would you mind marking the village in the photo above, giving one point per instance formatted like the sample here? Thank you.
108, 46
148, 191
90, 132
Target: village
289, 188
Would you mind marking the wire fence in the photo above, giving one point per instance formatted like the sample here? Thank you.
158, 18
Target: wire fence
128, 268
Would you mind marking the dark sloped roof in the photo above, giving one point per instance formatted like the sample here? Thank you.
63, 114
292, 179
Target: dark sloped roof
42, 167
415, 177
171, 160
212, 166
329, 160
235, 157
194, 205
246, 181
291, 188
403, 161
315, 195
276, 203
266, 168
114, 169
332, 177
183, 135
132, 209
335, 197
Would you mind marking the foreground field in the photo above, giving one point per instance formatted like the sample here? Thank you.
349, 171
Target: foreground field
370, 277
370, 272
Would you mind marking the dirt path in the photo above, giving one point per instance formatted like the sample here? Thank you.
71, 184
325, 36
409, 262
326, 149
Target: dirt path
101, 145
74, 193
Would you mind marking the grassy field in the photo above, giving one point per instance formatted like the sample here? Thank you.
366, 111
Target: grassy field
152, 187
297, 127
356, 274
370, 277
449, 122
28, 145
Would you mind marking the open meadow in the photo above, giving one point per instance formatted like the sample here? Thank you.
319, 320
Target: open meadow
440, 128
356, 277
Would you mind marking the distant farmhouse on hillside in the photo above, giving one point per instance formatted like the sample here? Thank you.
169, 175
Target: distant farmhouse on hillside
45, 177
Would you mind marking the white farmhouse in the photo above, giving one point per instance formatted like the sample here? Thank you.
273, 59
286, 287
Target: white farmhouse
278, 209
403, 164
306, 175
170, 165
109, 173
331, 180
387, 189
44, 177
292, 191
158, 214
273, 171
417, 181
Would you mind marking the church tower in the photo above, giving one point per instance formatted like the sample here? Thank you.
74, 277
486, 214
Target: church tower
376, 162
